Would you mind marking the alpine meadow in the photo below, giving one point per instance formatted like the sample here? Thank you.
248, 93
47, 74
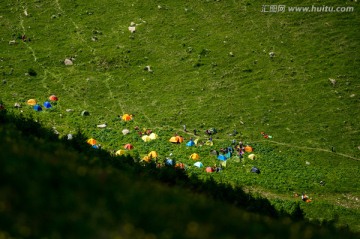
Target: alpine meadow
179, 119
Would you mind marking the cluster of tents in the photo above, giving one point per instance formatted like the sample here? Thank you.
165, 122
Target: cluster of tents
46, 104
224, 154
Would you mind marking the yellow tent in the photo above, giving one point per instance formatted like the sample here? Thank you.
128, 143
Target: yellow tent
153, 136
146, 159
152, 154
31, 102
210, 143
146, 138
196, 141
91, 141
176, 139
251, 156
127, 117
120, 152
194, 156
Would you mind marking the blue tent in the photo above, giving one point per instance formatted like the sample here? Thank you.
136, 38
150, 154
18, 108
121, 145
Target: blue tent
169, 162
228, 155
47, 104
255, 170
37, 108
190, 143
198, 164
222, 157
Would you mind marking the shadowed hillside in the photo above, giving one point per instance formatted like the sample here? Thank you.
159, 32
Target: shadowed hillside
50, 189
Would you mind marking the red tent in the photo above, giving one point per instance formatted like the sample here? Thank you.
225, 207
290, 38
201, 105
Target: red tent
128, 146
53, 98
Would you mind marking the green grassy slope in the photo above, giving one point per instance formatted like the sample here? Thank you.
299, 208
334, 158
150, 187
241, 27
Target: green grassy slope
211, 68
50, 190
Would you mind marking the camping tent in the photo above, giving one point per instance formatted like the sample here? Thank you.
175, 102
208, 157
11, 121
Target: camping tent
37, 108
209, 143
91, 141
190, 143
222, 157
128, 146
146, 158
214, 152
209, 169
180, 165
198, 164
248, 149
228, 155
153, 154
125, 131
194, 156
47, 104
251, 156
153, 136
127, 117
169, 162
53, 98
31, 102
176, 139
146, 138
255, 170
120, 152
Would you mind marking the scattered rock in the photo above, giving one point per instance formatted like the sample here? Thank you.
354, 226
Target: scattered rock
55, 131
272, 54
147, 68
231, 54
68, 62
101, 125
85, 113
332, 81
132, 29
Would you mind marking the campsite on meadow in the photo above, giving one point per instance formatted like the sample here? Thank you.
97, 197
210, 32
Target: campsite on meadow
233, 104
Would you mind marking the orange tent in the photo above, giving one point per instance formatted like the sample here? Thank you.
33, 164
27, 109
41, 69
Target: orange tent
194, 156
128, 146
248, 149
31, 102
180, 165
53, 98
91, 141
176, 139
127, 117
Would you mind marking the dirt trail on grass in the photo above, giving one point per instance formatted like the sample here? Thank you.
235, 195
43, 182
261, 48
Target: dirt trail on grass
311, 148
